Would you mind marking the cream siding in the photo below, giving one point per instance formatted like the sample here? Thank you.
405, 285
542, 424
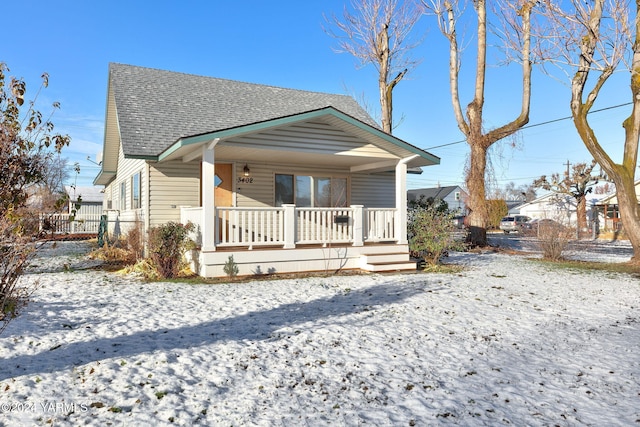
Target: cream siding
171, 185
126, 169
312, 137
368, 190
373, 191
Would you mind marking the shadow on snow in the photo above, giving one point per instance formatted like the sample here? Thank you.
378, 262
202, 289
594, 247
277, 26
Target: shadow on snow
253, 326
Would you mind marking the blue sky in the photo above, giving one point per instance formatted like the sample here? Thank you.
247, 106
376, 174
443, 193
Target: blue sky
282, 43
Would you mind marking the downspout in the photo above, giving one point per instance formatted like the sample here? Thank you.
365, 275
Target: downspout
401, 200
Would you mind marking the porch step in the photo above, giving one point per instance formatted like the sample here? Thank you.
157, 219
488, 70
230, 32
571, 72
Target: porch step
393, 261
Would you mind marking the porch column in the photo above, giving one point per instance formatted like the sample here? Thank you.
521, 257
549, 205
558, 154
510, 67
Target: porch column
358, 225
289, 226
208, 221
401, 200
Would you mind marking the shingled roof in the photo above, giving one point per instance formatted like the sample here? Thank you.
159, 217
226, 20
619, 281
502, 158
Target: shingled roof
434, 192
155, 108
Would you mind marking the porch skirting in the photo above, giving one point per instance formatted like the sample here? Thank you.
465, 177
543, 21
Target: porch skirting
264, 261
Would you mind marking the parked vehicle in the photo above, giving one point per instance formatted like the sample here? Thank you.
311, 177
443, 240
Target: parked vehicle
513, 223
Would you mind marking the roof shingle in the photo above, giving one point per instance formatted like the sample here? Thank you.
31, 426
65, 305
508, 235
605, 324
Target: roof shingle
155, 108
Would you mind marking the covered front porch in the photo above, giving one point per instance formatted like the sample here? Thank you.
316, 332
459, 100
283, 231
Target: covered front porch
293, 239
315, 192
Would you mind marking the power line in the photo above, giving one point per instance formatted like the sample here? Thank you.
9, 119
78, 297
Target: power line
538, 124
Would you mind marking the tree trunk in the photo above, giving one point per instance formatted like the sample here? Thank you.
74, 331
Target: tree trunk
477, 202
581, 213
629, 213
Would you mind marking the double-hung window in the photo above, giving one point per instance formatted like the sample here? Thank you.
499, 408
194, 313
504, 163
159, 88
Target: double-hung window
135, 192
123, 196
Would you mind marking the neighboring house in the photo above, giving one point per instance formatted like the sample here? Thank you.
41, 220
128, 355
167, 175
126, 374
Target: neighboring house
283, 180
91, 200
88, 211
609, 210
558, 207
453, 195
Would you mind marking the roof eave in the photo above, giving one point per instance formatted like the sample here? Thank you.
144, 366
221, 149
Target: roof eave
261, 126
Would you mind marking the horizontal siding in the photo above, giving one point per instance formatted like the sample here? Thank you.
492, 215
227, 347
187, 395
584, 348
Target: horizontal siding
311, 137
172, 184
260, 192
126, 169
374, 191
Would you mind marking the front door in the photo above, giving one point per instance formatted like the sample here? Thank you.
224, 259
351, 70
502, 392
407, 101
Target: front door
223, 192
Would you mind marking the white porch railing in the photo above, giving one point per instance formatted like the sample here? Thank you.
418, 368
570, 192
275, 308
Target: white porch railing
288, 226
324, 225
249, 226
380, 224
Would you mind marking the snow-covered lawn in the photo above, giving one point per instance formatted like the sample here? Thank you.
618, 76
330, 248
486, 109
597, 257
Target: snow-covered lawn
507, 341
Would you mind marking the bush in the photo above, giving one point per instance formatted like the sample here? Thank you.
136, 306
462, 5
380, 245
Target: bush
431, 234
15, 252
553, 239
135, 241
167, 245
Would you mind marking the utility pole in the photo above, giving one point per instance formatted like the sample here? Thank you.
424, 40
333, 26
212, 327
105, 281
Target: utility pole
568, 164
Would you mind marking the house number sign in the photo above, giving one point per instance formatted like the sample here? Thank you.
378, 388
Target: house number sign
245, 180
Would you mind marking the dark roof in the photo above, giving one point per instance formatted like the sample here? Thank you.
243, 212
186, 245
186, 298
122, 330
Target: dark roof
435, 192
155, 108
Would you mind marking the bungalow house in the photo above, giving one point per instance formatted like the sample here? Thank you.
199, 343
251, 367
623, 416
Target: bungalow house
283, 180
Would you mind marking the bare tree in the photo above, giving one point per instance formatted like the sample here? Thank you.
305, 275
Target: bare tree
512, 192
378, 34
577, 182
517, 16
26, 142
590, 41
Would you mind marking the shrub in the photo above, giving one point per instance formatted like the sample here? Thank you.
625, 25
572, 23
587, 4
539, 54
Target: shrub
553, 239
167, 245
431, 234
231, 268
135, 241
15, 252
497, 209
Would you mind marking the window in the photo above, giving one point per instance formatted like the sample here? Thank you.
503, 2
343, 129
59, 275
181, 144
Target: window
135, 192
307, 191
123, 196
284, 189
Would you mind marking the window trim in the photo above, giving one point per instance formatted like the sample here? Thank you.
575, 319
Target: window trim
313, 181
123, 196
137, 193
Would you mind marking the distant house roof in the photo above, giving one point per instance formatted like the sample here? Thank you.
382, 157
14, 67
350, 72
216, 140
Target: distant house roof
612, 199
435, 192
88, 194
194, 105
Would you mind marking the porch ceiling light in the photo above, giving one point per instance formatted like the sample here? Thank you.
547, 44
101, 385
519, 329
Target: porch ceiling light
246, 170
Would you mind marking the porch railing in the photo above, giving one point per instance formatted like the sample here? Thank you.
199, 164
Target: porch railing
249, 226
324, 225
289, 225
